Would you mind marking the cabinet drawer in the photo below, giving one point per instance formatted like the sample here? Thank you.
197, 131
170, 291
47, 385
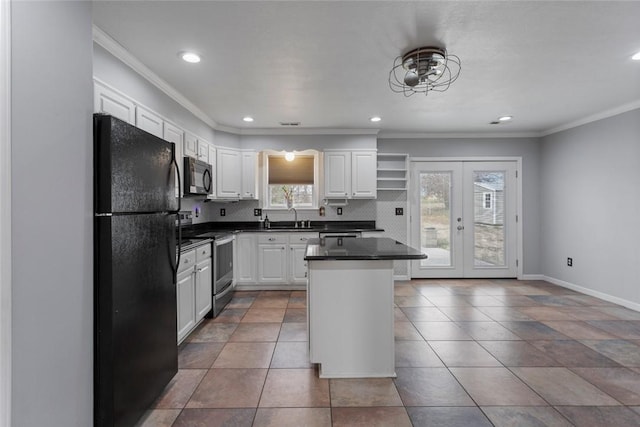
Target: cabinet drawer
301, 238
187, 260
203, 252
272, 238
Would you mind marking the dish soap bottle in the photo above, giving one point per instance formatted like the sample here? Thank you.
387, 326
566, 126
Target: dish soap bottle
266, 222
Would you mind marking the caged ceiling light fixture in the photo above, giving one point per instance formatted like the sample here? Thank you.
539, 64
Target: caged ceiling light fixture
423, 70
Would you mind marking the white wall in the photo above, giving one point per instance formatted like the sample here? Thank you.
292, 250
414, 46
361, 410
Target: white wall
527, 148
590, 186
304, 142
118, 75
52, 250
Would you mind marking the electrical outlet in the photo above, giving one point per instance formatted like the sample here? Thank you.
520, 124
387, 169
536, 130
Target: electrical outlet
197, 212
339, 211
570, 262
399, 211
223, 212
257, 212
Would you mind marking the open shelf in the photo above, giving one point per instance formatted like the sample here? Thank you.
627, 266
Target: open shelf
392, 171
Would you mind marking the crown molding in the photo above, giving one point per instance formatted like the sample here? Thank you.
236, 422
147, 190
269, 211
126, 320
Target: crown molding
308, 131
120, 52
452, 135
593, 118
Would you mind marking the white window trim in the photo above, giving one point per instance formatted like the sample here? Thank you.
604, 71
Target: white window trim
484, 200
5, 214
316, 179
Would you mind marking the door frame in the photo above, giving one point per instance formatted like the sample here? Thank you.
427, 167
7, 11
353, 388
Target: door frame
519, 212
5, 213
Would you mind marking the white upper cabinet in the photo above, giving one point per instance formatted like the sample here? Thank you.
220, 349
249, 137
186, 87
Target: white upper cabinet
149, 121
350, 175
109, 102
190, 145
203, 151
212, 162
249, 175
228, 173
363, 174
337, 174
174, 134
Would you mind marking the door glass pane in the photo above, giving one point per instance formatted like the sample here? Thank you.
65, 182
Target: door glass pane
435, 218
488, 218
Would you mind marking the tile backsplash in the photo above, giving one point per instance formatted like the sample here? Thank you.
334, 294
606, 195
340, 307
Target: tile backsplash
356, 210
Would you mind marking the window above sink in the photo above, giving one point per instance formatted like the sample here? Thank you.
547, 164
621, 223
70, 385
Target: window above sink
291, 179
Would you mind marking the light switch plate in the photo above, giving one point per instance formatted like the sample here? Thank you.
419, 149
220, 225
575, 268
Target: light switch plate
399, 211
223, 212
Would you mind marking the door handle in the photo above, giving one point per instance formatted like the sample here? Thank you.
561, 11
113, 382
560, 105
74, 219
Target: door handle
460, 227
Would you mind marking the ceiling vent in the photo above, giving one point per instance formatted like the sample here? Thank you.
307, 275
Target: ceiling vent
289, 124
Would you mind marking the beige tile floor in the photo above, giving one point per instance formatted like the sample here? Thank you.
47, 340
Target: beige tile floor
468, 353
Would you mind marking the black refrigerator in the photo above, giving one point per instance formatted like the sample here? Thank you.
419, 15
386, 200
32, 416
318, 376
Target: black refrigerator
135, 335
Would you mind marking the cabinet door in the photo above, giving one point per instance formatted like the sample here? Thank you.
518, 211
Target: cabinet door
174, 134
245, 264
186, 303
228, 173
272, 263
363, 174
298, 265
212, 162
337, 174
107, 101
149, 121
203, 151
190, 145
203, 288
249, 182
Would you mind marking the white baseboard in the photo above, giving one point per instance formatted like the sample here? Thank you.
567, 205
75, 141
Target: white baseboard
532, 277
401, 277
271, 287
616, 300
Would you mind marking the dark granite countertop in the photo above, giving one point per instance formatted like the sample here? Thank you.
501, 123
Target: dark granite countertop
366, 248
218, 229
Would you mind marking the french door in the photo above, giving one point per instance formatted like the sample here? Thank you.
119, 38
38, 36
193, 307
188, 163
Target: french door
463, 216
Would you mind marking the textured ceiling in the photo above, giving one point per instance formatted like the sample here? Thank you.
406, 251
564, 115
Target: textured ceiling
326, 64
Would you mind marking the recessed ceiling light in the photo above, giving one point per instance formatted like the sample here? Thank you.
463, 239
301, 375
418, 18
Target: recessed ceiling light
247, 119
505, 118
636, 57
375, 119
191, 57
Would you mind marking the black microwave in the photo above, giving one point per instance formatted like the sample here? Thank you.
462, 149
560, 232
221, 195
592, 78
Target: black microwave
197, 177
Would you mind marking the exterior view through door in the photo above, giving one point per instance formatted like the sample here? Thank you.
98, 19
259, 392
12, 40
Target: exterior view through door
463, 216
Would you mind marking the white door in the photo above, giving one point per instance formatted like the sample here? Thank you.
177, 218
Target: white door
203, 288
463, 216
364, 174
228, 173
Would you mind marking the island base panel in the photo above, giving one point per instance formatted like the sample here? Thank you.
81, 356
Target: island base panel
351, 322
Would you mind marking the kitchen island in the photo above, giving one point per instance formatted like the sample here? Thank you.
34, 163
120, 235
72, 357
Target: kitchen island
350, 305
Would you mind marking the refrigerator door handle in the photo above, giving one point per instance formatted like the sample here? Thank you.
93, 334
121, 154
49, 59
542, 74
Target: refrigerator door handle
174, 161
173, 155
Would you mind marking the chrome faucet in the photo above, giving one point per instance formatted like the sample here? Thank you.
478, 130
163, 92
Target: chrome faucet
295, 220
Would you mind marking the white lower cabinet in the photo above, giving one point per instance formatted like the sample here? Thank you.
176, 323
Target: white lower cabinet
245, 264
298, 266
193, 288
271, 259
186, 303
